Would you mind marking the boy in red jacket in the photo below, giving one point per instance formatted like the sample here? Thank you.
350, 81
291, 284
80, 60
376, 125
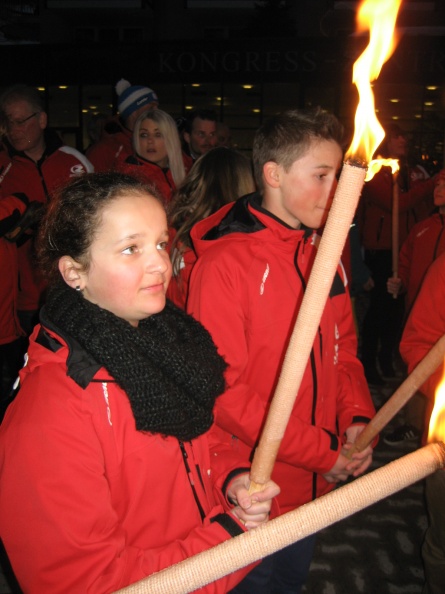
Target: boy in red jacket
424, 327
254, 260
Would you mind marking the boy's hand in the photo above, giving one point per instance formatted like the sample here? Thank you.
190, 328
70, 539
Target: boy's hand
360, 460
251, 509
394, 286
339, 471
345, 467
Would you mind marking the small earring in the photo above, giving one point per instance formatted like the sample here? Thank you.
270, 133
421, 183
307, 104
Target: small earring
78, 288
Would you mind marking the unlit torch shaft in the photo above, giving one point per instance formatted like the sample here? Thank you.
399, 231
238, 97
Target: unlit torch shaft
395, 226
404, 392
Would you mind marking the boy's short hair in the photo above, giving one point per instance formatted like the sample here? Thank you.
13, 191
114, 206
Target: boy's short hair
286, 137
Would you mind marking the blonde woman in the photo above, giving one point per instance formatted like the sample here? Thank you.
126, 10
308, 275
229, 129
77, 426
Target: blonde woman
157, 156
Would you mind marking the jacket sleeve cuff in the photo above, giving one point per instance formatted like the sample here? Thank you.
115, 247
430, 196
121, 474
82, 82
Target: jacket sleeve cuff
230, 477
334, 441
360, 420
228, 522
364, 420
230, 525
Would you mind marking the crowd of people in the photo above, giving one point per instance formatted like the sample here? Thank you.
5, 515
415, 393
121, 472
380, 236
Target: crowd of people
134, 450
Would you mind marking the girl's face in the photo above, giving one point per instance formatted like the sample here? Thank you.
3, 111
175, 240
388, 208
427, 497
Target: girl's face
129, 266
152, 143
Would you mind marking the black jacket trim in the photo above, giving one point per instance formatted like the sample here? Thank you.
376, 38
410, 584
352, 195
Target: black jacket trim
338, 287
255, 200
234, 473
359, 419
81, 366
131, 159
47, 341
240, 219
228, 523
334, 440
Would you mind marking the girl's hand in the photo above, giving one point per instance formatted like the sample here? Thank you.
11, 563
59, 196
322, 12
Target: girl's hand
252, 509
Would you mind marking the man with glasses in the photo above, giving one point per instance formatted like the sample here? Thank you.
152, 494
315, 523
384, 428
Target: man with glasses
33, 163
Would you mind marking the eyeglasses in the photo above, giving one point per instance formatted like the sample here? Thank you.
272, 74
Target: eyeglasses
20, 123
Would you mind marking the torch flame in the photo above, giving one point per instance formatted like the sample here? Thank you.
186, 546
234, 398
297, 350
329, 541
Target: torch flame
436, 430
379, 17
376, 164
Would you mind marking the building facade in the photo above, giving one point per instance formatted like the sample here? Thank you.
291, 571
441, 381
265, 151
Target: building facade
247, 60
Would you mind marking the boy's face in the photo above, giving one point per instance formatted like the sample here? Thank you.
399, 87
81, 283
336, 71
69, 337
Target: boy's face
303, 195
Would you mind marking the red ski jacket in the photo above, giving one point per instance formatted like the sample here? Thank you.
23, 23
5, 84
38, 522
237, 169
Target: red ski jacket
38, 181
426, 324
423, 245
178, 287
87, 502
9, 323
117, 141
146, 171
246, 288
374, 215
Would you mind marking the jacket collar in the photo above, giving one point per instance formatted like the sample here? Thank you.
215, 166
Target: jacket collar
247, 216
81, 367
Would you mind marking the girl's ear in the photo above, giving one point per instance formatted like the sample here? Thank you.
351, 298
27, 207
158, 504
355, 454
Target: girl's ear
71, 272
271, 174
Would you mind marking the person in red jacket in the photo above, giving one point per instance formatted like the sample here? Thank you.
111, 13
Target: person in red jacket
109, 429
425, 242
157, 156
12, 209
382, 324
34, 162
423, 245
424, 327
254, 260
117, 134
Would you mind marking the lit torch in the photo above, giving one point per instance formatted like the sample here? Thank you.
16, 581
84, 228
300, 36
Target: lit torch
367, 68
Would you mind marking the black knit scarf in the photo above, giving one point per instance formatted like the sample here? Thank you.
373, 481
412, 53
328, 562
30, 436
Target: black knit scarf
168, 366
